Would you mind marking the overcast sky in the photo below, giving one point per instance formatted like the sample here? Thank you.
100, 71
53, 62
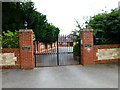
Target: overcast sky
62, 13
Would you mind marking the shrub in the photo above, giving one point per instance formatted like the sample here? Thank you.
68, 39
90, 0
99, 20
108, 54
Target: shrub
10, 39
0, 41
76, 50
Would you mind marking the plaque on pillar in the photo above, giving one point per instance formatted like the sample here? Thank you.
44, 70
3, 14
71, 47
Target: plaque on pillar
88, 45
25, 47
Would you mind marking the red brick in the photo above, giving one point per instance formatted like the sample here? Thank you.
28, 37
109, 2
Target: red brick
87, 38
27, 57
16, 51
106, 46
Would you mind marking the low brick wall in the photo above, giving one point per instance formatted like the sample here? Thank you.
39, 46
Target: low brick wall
64, 45
40, 47
10, 58
68, 44
106, 53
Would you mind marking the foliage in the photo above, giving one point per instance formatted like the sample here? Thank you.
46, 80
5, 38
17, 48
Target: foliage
16, 13
0, 41
76, 32
33, 36
51, 33
10, 39
76, 50
107, 27
105, 40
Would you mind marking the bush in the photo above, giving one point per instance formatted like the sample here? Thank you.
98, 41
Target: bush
0, 41
76, 50
10, 39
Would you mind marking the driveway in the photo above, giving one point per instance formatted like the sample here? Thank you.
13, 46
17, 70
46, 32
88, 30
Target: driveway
74, 76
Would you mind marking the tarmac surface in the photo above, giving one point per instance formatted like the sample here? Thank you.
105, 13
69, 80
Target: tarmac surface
73, 76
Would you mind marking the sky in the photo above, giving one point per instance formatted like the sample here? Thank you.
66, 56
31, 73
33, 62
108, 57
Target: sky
62, 13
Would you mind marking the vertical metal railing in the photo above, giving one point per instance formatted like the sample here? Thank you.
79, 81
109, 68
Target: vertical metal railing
57, 52
79, 51
62, 55
35, 53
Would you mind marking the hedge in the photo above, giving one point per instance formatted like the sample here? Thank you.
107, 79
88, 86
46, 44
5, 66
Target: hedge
76, 50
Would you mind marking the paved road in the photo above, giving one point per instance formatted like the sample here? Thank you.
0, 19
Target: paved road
50, 59
74, 76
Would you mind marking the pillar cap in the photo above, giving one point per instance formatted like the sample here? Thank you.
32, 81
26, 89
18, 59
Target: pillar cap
87, 29
25, 30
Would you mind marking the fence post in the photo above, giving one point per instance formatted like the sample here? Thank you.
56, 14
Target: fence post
26, 48
87, 46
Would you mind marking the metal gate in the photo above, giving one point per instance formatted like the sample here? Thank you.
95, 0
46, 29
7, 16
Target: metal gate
60, 55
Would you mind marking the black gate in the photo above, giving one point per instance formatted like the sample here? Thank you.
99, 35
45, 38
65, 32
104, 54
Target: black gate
62, 54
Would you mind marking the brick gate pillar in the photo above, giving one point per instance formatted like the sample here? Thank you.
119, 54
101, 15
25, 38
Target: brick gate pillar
26, 48
87, 46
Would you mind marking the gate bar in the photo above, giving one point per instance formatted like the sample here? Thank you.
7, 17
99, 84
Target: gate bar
34, 53
79, 51
57, 53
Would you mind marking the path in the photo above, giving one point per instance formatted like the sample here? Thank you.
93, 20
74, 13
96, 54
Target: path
74, 76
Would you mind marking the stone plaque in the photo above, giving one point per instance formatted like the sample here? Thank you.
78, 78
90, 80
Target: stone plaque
25, 47
88, 45
113, 53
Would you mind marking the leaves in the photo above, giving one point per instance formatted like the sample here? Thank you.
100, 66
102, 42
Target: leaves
10, 39
107, 26
16, 13
76, 50
76, 33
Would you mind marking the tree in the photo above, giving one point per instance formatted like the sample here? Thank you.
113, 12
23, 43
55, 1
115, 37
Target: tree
76, 33
107, 26
50, 33
16, 13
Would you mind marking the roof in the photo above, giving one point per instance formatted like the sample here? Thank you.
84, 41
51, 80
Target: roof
66, 38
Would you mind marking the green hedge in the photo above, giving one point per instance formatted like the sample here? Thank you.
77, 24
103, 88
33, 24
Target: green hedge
10, 39
76, 50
